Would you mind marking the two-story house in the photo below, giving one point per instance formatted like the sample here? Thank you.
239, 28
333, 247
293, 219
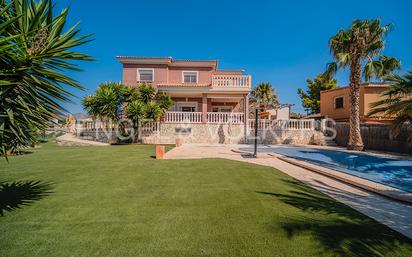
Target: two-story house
205, 97
201, 92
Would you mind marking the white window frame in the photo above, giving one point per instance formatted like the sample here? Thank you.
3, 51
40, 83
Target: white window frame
138, 75
179, 105
343, 102
191, 71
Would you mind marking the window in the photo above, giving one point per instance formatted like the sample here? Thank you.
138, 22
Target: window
188, 109
222, 109
226, 109
186, 106
145, 75
339, 102
189, 76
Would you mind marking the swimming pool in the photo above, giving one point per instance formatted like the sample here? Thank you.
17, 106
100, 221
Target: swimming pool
388, 171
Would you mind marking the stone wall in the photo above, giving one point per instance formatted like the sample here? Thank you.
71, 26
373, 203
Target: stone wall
376, 137
198, 133
293, 137
230, 134
212, 134
99, 135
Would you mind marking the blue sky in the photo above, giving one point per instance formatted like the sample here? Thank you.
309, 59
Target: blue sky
281, 42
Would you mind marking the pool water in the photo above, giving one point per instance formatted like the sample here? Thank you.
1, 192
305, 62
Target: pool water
388, 171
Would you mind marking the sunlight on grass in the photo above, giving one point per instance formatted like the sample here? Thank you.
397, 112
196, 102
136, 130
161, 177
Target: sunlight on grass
118, 201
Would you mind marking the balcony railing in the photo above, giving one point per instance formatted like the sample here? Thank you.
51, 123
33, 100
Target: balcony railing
212, 117
236, 81
184, 117
225, 117
264, 124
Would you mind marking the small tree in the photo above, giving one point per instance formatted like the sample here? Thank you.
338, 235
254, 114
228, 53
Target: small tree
311, 98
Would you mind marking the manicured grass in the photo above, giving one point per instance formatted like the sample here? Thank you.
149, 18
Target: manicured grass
119, 201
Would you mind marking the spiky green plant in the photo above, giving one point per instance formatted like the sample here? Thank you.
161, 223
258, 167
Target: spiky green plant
396, 102
35, 51
107, 102
114, 101
135, 111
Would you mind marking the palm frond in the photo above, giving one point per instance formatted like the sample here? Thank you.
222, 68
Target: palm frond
34, 54
331, 70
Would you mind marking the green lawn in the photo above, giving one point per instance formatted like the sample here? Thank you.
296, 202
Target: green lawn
119, 201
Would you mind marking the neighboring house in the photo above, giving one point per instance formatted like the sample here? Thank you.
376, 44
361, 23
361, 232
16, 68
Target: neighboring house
281, 112
335, 103
201, 92
79, 121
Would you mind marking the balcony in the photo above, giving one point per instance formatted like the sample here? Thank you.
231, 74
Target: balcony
197, 117
218, 82
183, 117
231, 81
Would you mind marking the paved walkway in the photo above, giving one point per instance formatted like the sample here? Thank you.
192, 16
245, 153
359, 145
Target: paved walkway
71, 140
394, 214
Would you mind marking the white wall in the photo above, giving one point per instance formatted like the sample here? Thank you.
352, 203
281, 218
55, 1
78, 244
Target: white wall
283, 113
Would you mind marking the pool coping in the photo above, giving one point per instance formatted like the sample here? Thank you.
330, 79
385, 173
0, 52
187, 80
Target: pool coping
369, 185
383, 154
362, 183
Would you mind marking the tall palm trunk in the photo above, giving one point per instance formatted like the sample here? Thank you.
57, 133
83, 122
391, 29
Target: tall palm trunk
355, 137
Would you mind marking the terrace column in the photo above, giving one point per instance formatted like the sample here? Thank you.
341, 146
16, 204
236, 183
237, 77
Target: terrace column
204, 108
246, 115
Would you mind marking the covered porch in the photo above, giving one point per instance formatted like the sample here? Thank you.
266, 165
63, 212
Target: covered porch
208, 108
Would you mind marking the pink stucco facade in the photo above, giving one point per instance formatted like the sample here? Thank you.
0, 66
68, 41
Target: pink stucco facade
130, 73
215, 90
165, 74
167, 70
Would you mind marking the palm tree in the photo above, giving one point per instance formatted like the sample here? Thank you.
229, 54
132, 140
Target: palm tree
148, 103
263, 95
397, 103
112, 101
147, 92
34, 53
153, 110
135, 111
107, 103
360, 45
164, 101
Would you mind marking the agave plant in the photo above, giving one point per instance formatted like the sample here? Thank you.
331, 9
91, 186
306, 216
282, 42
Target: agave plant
397, 102
34, 53
359, 47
